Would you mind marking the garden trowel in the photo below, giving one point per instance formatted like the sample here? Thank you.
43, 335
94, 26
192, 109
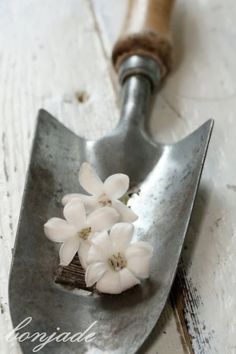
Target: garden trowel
164, 181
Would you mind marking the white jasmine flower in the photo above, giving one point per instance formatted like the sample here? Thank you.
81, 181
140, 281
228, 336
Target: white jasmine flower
115, 264
102, 194
77, 230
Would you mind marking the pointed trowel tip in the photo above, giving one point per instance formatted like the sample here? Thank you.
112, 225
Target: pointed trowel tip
208, 127
45, 115
47, 121
209, 123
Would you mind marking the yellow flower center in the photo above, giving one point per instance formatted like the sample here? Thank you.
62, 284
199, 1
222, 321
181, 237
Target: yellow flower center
84, 233
104, 200
117, 261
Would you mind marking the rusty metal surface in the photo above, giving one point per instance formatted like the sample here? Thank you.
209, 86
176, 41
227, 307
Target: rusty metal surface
167, 176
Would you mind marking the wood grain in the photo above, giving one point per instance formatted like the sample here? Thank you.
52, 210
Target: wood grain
47, 52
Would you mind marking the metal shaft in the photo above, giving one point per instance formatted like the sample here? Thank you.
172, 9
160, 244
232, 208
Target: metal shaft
136, 98
139, 77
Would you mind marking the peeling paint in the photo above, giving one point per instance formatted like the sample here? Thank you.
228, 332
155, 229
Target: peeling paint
2, 309
5, 156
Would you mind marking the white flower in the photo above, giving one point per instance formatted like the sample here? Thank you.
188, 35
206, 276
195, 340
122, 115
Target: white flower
77, 230
113, 263
102, 194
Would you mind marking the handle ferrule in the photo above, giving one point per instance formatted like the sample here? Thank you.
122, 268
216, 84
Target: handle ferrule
146, 33
139, 65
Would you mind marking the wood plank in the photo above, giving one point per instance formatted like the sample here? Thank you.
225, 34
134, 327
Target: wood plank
49, 54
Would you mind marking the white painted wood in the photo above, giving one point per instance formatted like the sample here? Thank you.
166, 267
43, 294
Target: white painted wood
50, 50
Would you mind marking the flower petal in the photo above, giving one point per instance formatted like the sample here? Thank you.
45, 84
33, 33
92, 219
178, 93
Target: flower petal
58, 230
139, 266
116, 185
138, 257
68, 250
74, 213
94, 272
126, 213
101, 240
95, 254
139, 249
69, 197
127, 279
109, 283
121, 235
83, 253
103, 218
89, 180
102, 244
90, 202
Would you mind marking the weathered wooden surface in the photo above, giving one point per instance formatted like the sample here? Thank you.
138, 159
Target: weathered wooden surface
53, 51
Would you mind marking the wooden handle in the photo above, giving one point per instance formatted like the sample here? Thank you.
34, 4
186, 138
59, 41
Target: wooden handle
146, 32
